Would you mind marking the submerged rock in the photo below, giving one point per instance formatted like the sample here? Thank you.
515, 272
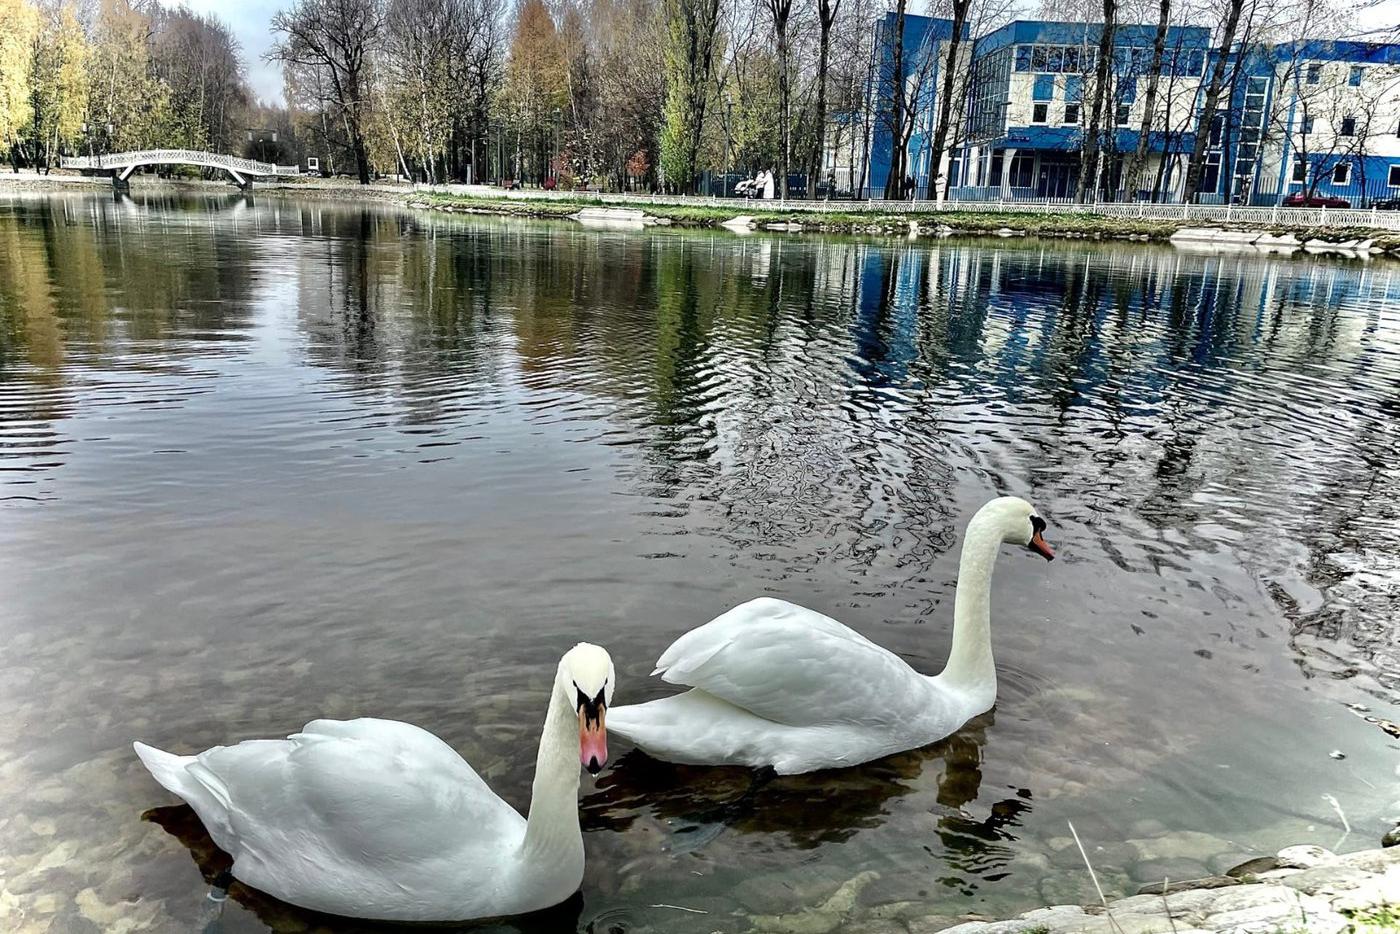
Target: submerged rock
830, 915
1187, 885
1155, 871
1253, 867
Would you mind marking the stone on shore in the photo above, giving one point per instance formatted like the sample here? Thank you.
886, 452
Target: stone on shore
1326, 897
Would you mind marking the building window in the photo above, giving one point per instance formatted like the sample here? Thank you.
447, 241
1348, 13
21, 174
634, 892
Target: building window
1300, 170
1314, 74
1072, 114
1210, 175
1354, 79
1307, 125
1341, 173
1054, 59
1217, 128
1022, 172
1394, 180
1040, 113
1044, 88
1124, 114
1348, 126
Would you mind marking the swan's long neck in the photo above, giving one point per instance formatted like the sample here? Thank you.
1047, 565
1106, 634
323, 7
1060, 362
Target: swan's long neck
970, 661
552, 831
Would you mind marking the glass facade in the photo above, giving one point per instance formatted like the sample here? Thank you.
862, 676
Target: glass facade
991, 84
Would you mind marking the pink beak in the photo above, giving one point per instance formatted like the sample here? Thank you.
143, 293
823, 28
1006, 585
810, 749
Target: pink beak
592, 740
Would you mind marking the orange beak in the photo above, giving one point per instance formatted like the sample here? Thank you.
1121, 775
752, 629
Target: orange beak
592, 737
1038, 545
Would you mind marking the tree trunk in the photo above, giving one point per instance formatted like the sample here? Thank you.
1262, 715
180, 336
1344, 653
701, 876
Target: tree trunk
782, 12
1134, 174
1089, 156
894, 182
827, 11
1212, 100
945, 95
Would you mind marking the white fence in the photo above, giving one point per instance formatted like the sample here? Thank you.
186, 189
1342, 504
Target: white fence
1143, 210
124, 160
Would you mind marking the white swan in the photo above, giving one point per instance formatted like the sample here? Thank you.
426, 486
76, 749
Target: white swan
775, 684
380, 819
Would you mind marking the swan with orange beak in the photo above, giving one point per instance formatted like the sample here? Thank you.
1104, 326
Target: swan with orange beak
380, 819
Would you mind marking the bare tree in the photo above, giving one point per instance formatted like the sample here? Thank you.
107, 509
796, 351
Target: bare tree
1218, 73
899, 115
336, 37
1132, 181
781, 13
1090, 155
827, 11
945, 96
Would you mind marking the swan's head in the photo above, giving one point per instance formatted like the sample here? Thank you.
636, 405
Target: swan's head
586, 678
1018, 523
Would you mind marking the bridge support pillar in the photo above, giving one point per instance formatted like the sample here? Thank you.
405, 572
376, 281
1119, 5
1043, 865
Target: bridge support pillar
120, 182
245, 183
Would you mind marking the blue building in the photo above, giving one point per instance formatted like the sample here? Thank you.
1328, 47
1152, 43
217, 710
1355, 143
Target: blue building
1304, 118
1310, 118
1031, 86
925, 55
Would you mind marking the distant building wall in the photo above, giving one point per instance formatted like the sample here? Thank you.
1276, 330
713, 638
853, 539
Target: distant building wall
1322, 116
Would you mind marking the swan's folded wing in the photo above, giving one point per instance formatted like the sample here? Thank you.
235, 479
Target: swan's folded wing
352, 793
795, 666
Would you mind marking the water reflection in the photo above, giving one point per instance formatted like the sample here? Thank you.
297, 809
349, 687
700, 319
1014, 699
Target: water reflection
810, 810
263, 460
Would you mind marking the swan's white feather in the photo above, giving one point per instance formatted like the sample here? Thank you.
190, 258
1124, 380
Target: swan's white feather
370, 818
775, 684
796, 667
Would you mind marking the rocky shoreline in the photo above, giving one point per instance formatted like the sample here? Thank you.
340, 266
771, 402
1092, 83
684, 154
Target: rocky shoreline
1264, 239
1303, 890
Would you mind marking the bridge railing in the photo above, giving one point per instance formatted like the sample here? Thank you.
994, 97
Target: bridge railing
122, 160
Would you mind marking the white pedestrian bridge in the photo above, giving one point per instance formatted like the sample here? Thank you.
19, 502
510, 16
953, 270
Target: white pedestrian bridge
122, 164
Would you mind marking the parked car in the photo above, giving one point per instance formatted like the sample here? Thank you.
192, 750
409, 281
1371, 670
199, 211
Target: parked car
1386, 204
1301, 200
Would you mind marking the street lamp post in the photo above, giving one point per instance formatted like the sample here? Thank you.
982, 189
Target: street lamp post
557, 155
261, 136
728, 124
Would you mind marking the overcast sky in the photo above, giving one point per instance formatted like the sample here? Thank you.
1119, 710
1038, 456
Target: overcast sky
249, 20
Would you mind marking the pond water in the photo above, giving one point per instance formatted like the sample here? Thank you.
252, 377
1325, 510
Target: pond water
264, 460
